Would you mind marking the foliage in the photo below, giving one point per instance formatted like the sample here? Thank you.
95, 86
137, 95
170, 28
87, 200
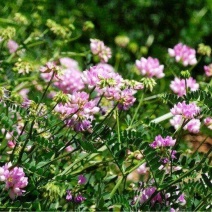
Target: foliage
81, 137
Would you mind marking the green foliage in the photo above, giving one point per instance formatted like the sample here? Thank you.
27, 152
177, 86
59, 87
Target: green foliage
109, 154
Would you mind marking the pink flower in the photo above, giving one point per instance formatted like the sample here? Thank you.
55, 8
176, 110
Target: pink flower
208, 70
208, 122
69, 63
70, 81
150, 67
79, 199
98, 48
176, 121
11, 144
142, 169
81, 179
69, 78
181, 199
69, 149
193, 126
69, 196
163, 142
179, 85
101, 76
14, 179
184, 54
126, 99
188, 111
80, 110
147, 193
12, 46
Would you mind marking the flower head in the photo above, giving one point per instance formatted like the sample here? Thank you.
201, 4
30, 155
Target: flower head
98, 48
69, 196
163, 142
188, 111
179, 85
208, 70
12, 46
80, 109
14, 179
184, 54
150, 67
81, 179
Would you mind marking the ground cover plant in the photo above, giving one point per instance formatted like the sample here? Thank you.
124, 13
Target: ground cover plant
86, 126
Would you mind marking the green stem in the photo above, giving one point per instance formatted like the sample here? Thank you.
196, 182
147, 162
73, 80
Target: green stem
118, 125
137, 109
116, 186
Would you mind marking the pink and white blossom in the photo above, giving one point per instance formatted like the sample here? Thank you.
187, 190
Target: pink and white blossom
188, 111
163, 142
12, 46
184, 54
98, 48
179, 86
208, 70
150, 67
14, 180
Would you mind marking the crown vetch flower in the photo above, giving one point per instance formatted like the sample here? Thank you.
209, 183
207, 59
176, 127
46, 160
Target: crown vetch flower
12, 46
208, 70
188, 111
81, 179
208, 122
100, 76
14, 179
126, 99
150, 67
69, 196
184, 54
142, 169
147, 193
98, 48
163, 142
193, 126
179, 85
69, 78
79, 198
80, 110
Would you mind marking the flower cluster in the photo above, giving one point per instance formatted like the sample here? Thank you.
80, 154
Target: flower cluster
165, 154
78, 112
69, 78
147, 193
150, 67
208, 122
179, 86
188, 111
142, 169
14, 179
163, 142
76, 198
208, 70
184, 54
12, 46
182, 112
98, 48
111, 85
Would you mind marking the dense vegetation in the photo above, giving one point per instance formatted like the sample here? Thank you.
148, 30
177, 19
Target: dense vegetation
105, 106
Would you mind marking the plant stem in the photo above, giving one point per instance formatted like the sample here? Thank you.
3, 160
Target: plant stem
137, 109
